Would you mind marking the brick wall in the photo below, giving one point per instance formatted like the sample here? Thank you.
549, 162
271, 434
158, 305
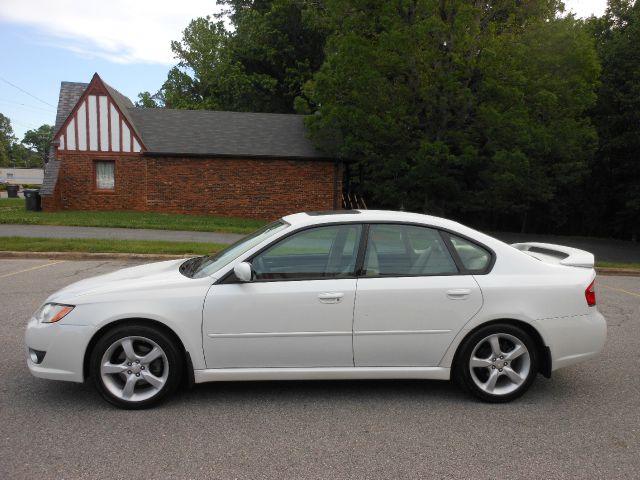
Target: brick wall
252, 188
76, 183
51, 203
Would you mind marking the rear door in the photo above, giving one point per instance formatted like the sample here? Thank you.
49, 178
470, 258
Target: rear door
412, 298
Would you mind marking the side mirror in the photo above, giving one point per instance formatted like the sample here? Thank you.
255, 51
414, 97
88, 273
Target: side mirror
243, 271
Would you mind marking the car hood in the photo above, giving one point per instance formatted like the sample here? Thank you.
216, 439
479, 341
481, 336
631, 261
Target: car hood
142, 277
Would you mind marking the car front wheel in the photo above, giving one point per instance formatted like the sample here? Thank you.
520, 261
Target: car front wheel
135, 366
497, 363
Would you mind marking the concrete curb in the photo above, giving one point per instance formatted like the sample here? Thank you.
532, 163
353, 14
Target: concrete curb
90, 256
629, 272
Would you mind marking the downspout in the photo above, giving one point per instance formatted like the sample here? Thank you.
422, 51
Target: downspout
335, 184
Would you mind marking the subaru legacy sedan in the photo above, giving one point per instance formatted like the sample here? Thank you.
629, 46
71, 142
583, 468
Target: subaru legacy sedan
328, 295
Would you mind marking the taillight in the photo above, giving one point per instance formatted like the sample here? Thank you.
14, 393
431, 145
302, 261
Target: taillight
590, 294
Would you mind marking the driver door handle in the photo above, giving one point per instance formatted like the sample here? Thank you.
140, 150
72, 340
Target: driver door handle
330, 297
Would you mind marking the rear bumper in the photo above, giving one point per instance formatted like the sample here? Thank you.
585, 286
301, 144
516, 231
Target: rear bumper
575, 338
64, 347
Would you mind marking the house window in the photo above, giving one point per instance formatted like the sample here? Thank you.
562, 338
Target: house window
105, 179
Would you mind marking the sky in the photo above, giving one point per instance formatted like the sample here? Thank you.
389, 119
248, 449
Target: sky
128, 42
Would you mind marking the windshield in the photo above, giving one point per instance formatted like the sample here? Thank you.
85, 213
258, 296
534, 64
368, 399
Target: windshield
210, 265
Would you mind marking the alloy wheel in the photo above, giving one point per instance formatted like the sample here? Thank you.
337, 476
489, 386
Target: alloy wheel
499, 364
134, 368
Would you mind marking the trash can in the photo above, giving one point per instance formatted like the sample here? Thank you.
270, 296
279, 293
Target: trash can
12, 191
32, 200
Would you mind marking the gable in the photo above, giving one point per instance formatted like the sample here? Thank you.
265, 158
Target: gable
99, 123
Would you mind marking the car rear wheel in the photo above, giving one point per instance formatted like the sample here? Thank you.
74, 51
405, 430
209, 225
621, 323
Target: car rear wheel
497, 363
135, 366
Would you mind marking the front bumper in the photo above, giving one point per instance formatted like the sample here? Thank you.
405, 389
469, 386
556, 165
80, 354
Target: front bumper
65, 347
575, 338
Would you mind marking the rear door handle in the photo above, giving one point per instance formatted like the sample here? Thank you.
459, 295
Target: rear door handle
330, 297
458, 293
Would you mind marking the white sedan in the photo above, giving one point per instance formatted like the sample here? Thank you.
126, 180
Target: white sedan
328, 295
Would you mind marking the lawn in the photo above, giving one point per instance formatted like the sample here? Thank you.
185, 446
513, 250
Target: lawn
93, 245
12, 210
617, 265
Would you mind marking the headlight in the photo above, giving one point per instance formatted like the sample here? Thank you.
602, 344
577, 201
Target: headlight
52, 312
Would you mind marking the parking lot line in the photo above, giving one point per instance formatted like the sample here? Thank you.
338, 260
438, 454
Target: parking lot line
620, 290
30, 269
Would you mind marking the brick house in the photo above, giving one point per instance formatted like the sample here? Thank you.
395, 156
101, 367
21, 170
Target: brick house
110, 155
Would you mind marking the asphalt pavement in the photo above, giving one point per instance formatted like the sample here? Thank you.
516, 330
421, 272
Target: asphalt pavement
583, 423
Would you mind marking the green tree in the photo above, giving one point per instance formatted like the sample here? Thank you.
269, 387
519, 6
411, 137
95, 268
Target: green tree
463, 108
207, 75
21, 157
148, 100
615, 185
260, 64
533, 125
7, 139
39, 142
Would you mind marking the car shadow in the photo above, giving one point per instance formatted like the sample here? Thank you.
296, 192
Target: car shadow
323, 390
79, 396
345, 392
331, 393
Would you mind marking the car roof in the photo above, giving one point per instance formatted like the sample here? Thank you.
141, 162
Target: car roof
339, 216
508, 259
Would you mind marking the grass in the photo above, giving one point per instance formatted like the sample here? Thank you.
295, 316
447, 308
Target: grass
92, 245
617, 265
12, 210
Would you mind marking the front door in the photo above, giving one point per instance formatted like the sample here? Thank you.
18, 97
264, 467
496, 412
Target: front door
298, 311
411, 300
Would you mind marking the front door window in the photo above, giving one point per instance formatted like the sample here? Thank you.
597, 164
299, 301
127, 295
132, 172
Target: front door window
316, 253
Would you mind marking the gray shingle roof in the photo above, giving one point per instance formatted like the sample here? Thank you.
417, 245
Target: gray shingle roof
203, 132
70, 93
50, 175
207, 132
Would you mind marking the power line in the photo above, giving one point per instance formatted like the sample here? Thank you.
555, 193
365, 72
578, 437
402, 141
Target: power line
25, 105
24, 125
27, 126
24, 91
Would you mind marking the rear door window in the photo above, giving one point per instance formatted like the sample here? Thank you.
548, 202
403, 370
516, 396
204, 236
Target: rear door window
473, 257
406, 250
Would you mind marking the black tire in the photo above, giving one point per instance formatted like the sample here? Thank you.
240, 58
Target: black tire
505, 388
142, 337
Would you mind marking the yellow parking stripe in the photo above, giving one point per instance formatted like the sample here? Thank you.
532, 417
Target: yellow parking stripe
618, 290
30, 269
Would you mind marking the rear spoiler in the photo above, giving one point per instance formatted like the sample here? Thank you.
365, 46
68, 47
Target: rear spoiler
558, 254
